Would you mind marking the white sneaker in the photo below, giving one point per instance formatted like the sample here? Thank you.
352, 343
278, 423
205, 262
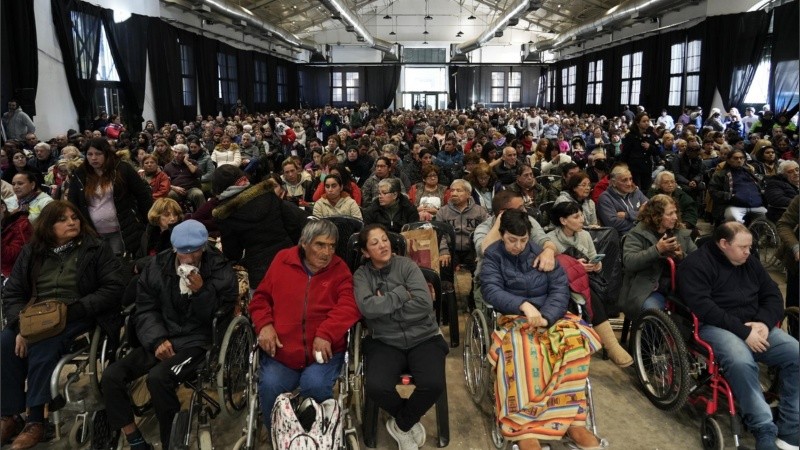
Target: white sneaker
780, 443
405, 439
418, 431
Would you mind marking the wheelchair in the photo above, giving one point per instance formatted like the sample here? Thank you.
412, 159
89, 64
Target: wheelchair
765, 241
479, 373
675, 367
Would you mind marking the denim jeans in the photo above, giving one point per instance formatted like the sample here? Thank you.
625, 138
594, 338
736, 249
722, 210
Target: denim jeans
655, 300
740, 366
315, 381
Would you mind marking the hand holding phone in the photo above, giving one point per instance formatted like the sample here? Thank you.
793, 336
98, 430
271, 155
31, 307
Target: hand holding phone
599, 257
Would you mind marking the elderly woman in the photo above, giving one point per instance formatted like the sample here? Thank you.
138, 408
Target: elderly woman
781, 189
665, 183
65, 261
429, 195
28, 195
393, 296
333, 203
578, 190
112, 197
155, 177
391, 209
570, 238
161, 219
660, 234
301, 311
534, 305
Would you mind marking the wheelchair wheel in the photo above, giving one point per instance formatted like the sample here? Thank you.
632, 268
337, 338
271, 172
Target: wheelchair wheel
476, 348
357, 376
661, 362
711, 434
498, 440
765, 241
234, 365
351, 442
80, 435
204, 440
180, 429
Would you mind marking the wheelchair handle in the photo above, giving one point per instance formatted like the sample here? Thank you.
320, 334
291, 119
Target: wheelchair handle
671, 263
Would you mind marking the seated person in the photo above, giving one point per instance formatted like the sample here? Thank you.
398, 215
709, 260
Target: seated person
429, 195
666, 184
293, 181
533, 194
570, 237
618, 207
578, 190
738, 305
349, 187
781, 189
65, 260
532, 300
162, 218
393, 296
464, 215
173, 323
735, 189
301, 311
390, 208
789, 253
334, 203
184, 177
658, 235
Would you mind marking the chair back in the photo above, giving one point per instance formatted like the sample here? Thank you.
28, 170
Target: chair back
354, 258
347, 226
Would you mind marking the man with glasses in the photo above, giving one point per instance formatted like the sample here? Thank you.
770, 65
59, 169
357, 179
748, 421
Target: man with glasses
507, 167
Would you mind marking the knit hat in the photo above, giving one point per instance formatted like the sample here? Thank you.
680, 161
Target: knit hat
189, 236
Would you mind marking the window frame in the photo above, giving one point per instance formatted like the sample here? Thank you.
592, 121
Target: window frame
631, 78
188, 77
227, 79
497, 88
282, 83
568, 84
594, 83
684, 76
515, 87
344, 89
260, 81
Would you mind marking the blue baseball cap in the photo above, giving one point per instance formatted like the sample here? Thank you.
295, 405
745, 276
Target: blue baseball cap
189, 236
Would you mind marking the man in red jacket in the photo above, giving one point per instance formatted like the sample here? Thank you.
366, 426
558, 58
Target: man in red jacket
302, 310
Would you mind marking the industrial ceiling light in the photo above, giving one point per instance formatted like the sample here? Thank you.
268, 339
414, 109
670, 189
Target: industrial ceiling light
387, 17
459, 34
425, 32
471, 17
392, 33
425, 43
428, 17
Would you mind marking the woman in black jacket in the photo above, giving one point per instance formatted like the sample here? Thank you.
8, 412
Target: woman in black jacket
391, 209
255, 223
639, 150
112, 197
64, 261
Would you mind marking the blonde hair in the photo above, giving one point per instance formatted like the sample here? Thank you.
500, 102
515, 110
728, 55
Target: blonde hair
160, 206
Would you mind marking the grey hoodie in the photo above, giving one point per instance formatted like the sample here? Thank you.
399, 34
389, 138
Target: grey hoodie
464, 222
402, 316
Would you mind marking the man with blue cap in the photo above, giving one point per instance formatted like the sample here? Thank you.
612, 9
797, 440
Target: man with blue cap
178, 294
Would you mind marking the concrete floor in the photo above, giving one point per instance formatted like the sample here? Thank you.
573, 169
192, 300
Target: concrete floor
625, 416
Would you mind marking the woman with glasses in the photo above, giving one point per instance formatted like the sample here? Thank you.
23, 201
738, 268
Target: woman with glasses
333, 203
578, 189
392, 209
428, 196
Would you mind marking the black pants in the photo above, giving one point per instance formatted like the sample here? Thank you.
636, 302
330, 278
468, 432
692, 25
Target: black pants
385, 364
162, 382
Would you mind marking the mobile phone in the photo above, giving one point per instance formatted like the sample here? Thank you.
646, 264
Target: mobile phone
599, 257
668, 234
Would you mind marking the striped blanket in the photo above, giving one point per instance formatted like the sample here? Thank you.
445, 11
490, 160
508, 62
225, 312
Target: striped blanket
541, 376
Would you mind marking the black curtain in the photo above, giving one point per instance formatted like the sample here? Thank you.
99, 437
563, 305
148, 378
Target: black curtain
128, 43
205, 61
380, 85
465, 81
20, 56
81, 71
245, 73
730, 68
163, 52
316, 86
785, 73
452, 86
292, 84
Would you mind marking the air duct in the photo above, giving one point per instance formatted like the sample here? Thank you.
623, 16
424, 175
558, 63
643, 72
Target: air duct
240, 16
631, 9
516, 10
339, 9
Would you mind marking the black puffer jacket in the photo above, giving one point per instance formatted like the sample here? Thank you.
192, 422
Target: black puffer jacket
406, 213
255, 225
163, 313
132, 199
100, 284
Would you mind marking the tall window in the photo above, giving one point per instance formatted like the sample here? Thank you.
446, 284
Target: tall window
260, 91
228, 90
107, 96
514, 87
551, 86
187, 75
594, 87
568, 85
498, 87
631, 77
352, 84
344, 86
684, 74
758, 92
283, 89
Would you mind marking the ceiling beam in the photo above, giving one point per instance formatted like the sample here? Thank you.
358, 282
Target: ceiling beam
257, 5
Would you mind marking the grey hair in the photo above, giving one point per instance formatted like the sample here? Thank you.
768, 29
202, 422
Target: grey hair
180, 148
247, 135
389, 148
318, 228
43, 145
660, 176
786, 165
464, 183
680, 141
392, 184
618, 170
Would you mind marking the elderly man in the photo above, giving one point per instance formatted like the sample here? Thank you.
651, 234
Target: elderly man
506, 167
735, 189
619, 205
464, 215
533, 194
178, 294
184, 177
738, 305
301, 311
43, 159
